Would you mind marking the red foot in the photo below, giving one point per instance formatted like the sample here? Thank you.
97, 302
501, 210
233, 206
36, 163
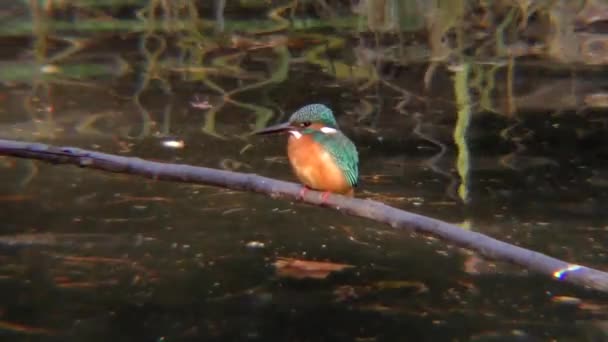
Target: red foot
303, 192
324, 197
305, 189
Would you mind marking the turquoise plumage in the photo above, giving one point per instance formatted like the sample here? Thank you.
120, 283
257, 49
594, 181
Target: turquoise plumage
342, 150
315, 112
322, 157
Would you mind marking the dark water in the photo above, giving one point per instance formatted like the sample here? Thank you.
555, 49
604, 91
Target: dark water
89, 256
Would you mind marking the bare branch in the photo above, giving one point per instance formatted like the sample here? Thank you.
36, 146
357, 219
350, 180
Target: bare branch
396, 218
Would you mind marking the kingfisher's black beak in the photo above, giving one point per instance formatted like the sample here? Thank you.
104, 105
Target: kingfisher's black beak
280, 128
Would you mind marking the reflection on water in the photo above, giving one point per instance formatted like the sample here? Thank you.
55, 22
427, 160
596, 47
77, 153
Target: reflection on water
514, 150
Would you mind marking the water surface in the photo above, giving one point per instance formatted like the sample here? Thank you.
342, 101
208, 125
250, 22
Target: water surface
88, 255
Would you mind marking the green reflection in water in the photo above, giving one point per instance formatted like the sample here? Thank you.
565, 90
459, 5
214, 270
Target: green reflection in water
461, 90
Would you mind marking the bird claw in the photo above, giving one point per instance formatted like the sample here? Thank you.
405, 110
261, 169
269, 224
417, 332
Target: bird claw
302, 192
324, 197
305, 189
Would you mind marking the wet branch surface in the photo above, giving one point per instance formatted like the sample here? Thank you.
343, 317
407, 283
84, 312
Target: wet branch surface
376, 211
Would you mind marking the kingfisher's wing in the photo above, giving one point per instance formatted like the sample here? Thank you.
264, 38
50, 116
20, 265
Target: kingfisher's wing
343, 151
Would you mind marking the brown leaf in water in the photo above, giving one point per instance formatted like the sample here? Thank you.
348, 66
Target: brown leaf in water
348, 292
595, 308
419, 287
92, 261
66, 284
474, 265
25, 329
300, 269
14, 198
568, 300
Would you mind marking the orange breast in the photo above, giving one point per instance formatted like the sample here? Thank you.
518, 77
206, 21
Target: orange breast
315, 167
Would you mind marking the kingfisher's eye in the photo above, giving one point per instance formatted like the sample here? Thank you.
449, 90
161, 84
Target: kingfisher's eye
305, 124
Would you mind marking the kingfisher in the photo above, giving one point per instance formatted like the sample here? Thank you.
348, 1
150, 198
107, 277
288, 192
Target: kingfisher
321, 156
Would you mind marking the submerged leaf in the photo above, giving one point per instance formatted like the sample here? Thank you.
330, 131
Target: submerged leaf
300, 269
401, 284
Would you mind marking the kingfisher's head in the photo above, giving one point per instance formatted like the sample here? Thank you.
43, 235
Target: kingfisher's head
312, 116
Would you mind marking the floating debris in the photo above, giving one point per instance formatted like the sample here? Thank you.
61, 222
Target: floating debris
174, 143
300, 269
25, 329
200, 104
50, 69
255, 244
566, 300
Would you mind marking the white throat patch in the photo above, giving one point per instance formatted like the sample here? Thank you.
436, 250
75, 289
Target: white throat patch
296, 134
328, 130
